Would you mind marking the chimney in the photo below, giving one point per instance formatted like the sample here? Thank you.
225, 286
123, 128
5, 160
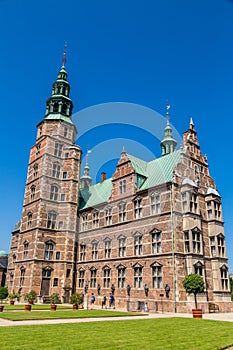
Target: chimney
103, 176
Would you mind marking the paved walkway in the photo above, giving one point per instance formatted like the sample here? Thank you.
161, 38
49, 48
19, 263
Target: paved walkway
213, 316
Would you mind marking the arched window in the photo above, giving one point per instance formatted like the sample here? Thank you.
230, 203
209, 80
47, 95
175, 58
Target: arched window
35, 170
29, 220
33, 190
198, 268
22, 274
54, 192
51, 222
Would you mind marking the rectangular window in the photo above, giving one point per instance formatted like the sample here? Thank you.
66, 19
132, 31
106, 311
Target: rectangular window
55, 282
82, 252
217, 210
81, 278
22, 274
186, 242
155, 204
107, 278
122, 186
108, 216
193, 203
157, 277
67, 273
63, 197
196, 242
138, 245
138, 277
84, 222
121, 278
107, 249
51, 222
122, 212
58, 255
221, 246
60, 225
93, 279
224, 278
184, 197
48, 252
56, 170
122, 247
94, 250
66, 155
25, 253
156, 243
58, 149
38, 150
138, 208
64, 175
95, 219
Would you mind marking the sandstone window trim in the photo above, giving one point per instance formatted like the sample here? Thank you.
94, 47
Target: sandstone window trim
95, 219
29, 219
22, 276
58, 149
138, 244
84, 222
138, 276
81, 277
138, 208
56, 170
51, 219
108, 216
122, 246
156, 241
122, 212
224, 277
157, 275
82, 253
106, 276
220, 245
93, 277
199, 268
107, 248
122, 186
94, 249
49, 250
54, 191
25, 248
33, 191
121, 276
155, 200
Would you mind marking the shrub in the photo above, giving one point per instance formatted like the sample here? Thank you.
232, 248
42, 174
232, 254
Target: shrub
76, 299
30, 297
54, 298
3, 293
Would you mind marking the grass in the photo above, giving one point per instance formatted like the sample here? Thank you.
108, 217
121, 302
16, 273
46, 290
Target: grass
45, 315
144, 334
34, 307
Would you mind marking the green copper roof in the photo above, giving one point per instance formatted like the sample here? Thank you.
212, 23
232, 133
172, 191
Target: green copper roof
155, 173
96, 194
58, 116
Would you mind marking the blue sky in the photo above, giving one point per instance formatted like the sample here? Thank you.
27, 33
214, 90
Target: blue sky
139, 52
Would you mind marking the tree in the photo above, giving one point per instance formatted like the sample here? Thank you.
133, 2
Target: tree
76, 299
30, 297
194, 283
231, 286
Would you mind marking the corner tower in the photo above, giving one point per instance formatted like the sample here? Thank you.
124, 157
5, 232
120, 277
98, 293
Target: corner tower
43, 249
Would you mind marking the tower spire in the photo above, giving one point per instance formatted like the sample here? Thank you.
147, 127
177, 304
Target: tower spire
59, 105
86, 179
168, 144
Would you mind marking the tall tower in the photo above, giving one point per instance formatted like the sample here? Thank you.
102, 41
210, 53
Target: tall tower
43, 250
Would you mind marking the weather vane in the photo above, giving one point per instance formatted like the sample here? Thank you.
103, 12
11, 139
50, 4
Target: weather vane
64, 54
167, 110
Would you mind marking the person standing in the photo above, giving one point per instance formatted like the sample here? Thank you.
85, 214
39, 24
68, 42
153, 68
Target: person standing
92, 300
146, 308
104, 301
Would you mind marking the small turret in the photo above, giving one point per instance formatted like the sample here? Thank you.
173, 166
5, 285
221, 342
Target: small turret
86, 179
168, 144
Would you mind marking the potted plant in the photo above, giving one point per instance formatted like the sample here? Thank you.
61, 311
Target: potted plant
76, 300
12, 296
194, 284
54, 299
30, 298
3, 295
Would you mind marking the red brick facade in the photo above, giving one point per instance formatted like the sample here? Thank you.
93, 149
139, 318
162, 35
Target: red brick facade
153, 235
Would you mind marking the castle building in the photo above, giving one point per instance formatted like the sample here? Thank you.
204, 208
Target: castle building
136, 234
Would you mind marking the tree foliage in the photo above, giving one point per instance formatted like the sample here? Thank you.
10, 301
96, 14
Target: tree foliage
194, 284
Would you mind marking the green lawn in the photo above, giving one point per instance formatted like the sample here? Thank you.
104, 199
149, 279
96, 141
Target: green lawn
144, 334
34, 307
42, 315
